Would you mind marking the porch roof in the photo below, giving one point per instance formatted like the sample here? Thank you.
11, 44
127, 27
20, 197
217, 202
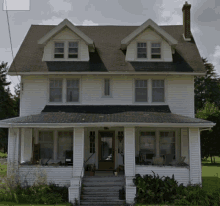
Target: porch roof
85, 115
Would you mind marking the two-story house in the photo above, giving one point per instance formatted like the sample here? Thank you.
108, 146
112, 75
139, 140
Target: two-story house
112, 95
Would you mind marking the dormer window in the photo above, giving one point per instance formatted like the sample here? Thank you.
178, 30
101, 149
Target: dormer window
142, 50
59, 50
155, 50
73, 50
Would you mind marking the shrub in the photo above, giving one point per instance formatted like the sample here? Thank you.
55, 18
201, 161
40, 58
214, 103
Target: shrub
154, 190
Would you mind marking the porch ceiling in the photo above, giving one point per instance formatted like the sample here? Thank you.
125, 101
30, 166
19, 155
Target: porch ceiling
82, 115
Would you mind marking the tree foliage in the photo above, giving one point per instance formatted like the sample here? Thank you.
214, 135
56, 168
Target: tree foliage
9, 104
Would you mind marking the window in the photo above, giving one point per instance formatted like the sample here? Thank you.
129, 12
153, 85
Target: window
65, 142
141, 90
141, 50
46, 144
167, 143
107, 87
59, 50
148, 144
155, 51
72, 90
56, 90
73, 50
158, 91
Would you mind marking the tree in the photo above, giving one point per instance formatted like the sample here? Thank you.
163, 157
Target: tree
7, 104
207, 88
210, 139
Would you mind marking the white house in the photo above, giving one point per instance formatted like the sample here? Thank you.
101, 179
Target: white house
107, 92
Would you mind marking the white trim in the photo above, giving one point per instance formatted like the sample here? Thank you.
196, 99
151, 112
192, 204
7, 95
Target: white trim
104, 124
106, 73
146, 24
59, 27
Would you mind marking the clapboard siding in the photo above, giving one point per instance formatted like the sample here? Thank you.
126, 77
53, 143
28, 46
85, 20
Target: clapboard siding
181, 95
179, 92
129, 144
181, 174
33, 95
59, 175
149, 36
195, 156
66, 34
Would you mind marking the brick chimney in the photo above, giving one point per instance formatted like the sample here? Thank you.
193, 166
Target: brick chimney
186, 21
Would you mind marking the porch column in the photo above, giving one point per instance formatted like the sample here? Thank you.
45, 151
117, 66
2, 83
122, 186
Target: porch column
129, 160
194, 156
78, 159
26, 144
13, 150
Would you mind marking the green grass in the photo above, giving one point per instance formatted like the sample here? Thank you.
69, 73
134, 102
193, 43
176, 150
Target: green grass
3, 155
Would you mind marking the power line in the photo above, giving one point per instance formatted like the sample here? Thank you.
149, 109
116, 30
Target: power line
10, 39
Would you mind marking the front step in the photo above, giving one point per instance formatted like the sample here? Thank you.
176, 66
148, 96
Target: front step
102, 190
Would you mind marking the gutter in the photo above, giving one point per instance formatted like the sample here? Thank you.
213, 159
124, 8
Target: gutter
209, 128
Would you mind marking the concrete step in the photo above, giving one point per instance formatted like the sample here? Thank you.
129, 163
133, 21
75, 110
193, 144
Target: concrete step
119, 202
94, 178
98, 198
105, 184
101, 193
102, 189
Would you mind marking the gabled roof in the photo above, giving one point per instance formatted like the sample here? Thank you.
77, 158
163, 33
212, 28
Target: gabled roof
148, 24
62, 25
108, 56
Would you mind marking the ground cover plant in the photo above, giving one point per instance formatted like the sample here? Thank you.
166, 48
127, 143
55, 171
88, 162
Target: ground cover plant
3, 155
11, 190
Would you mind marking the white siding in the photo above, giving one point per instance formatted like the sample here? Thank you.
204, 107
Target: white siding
181, 174
195, 156
149, 35
185, 144
26, 144
181, 95
66, 34
179, 91
34, 95
129, 148
59, 175
78, 150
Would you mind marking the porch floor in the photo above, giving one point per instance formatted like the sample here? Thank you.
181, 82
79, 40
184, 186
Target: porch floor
105, 174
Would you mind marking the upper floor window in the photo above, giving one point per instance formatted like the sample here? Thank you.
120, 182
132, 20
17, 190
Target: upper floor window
72, 90
107, 87
141, 50
59, 50
73, 50
158, 91
56, 90
155, 51
141, 90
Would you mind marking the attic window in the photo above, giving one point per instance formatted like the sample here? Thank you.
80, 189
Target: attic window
73, 50
141, 50
155, 50
59, 50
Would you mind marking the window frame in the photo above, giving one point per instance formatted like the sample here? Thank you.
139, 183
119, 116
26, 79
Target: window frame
61, 90
66, 50
141, 87
66, 79
155, 79
147, 53
59, 53
156, 42
110, 87
72, 47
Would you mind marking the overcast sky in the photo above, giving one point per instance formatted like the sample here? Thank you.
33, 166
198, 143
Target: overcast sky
205, 20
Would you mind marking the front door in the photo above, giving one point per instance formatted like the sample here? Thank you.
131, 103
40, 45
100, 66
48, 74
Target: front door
106, 150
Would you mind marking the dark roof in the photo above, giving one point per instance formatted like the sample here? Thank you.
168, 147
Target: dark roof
108, 55
150, 114
105, 109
